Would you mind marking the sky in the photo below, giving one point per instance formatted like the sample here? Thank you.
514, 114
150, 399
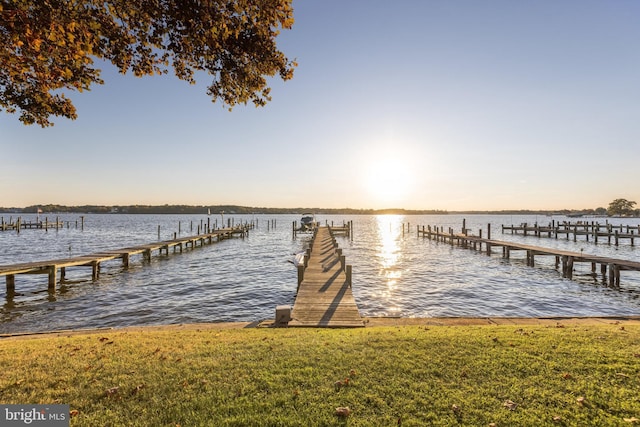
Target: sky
415, 104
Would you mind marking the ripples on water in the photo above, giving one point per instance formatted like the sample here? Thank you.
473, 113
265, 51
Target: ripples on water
394, 273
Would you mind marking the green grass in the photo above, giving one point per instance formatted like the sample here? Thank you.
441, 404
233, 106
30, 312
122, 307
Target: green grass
409, 376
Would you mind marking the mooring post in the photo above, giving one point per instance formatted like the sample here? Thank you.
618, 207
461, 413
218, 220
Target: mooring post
52, 278
11, 283
300, 275
612, 275
348, 274
95, 273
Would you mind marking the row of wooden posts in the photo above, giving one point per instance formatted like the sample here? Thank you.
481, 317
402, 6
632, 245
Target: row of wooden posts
20, 224
51, 267
211, 226
346, 229
609, 267
592, 230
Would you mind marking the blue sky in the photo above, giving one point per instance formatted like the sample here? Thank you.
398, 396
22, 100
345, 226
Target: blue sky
424, 104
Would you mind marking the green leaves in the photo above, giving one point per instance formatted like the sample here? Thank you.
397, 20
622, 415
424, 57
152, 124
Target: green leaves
47, 47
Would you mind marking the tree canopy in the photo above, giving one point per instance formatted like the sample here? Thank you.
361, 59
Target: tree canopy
621, 207
48, 46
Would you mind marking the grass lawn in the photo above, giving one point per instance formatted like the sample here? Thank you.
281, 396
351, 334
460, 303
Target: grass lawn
386, 376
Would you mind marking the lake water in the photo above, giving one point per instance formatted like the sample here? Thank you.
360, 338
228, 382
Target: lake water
394, 273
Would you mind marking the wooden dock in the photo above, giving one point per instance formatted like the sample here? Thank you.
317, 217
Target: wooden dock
19, 224
609, 267
52, 267
324, 297
594, 231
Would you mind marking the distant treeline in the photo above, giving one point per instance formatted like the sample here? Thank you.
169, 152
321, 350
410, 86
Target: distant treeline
213, 209
234, 209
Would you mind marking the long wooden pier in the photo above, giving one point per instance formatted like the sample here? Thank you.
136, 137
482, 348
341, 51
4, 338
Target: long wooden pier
51, 267
609, 267
593, 230
324, 297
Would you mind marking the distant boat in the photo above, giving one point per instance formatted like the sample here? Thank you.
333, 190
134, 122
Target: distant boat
308, 222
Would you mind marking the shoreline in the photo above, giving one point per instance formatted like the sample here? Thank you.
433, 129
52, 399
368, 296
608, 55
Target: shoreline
369, 322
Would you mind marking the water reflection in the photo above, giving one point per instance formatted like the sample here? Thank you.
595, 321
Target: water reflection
389, 229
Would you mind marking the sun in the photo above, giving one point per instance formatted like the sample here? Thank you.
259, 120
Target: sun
388, 181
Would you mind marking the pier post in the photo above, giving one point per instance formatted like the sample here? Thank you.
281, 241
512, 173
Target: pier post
300, 274
95, 270
348, 274
11, 283
612, 275
52, 277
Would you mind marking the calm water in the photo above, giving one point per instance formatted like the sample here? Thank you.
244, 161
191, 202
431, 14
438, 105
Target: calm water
394, 274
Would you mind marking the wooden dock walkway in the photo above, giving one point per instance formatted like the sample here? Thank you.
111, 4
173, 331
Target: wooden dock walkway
324, 297
19, 224
609, 267
51, 267
593, 230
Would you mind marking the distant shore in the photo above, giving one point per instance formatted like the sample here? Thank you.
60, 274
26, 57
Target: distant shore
245, 210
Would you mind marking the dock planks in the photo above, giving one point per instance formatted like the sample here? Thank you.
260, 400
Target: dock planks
51, 267
609, 267
324, 296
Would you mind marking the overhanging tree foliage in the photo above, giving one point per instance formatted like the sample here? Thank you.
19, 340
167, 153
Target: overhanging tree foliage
47, 46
